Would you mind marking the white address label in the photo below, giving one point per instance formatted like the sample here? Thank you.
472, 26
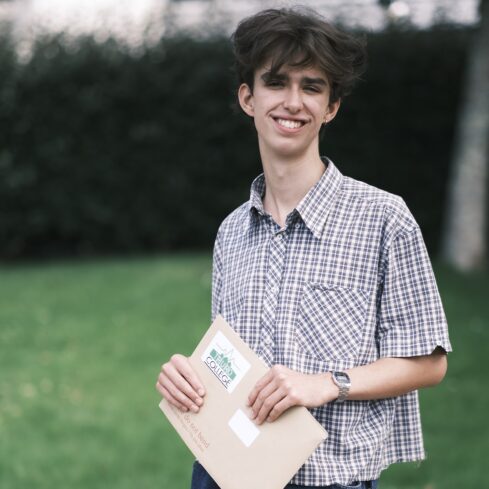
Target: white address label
244, 428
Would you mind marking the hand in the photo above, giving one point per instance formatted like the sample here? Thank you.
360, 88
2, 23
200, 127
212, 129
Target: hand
179, 385
282, 388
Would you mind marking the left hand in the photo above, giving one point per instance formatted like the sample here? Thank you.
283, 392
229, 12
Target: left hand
281, 388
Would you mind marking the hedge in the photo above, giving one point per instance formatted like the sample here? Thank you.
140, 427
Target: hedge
104, 151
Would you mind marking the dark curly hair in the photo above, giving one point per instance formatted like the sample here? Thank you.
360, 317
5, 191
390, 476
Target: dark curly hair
298, 37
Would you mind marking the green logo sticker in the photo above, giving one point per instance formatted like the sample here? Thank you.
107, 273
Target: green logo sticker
225, 361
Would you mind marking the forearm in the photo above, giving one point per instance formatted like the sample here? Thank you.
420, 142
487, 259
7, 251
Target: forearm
281, 388
391, 377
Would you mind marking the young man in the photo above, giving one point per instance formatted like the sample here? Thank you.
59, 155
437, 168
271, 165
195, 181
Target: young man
325, 277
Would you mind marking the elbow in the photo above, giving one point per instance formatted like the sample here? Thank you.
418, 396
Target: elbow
438, 367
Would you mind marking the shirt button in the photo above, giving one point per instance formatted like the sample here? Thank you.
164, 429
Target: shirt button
274, 289
268, 341
297, 225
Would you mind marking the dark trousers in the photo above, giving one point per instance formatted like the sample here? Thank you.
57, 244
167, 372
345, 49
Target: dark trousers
202, 480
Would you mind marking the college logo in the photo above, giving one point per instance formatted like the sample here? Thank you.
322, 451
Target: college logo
225, 361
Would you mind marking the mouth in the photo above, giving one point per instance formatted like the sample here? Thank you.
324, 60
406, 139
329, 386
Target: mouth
289, 123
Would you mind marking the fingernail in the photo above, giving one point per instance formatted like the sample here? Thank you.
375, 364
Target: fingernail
201, 392
195, 409
199, 402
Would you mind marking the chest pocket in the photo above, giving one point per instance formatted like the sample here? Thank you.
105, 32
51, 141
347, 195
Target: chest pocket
331, 321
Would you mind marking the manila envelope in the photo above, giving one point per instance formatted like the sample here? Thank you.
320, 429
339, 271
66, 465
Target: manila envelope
237, 453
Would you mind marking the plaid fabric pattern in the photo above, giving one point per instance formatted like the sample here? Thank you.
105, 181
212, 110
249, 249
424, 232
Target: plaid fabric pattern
346, 281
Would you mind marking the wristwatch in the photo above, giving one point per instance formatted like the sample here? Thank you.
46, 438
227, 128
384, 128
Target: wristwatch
342, 380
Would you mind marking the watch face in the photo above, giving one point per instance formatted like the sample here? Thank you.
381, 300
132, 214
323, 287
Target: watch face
342, 377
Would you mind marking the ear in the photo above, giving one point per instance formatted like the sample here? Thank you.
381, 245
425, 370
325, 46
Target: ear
331, 111
245, 97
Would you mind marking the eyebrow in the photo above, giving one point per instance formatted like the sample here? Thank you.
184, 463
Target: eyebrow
268, 75
317, 81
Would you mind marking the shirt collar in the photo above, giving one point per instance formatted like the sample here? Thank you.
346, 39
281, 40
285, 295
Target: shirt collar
315, 205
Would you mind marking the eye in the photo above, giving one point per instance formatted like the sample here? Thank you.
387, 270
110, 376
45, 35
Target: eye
274, 83
312, 88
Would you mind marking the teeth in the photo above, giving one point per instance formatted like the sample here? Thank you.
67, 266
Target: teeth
289, 124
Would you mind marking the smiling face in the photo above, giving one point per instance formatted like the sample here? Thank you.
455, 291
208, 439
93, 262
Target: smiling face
288, 108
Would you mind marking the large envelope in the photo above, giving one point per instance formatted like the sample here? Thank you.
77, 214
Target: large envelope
237, 453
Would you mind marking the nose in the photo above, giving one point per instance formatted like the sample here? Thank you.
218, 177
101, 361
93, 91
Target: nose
293, 100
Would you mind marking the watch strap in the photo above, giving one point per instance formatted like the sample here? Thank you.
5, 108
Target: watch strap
342, 380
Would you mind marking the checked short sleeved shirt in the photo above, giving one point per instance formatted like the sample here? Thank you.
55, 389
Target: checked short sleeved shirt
346, 281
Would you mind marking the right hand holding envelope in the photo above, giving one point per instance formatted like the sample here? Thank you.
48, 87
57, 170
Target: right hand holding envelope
281, 388
179, 384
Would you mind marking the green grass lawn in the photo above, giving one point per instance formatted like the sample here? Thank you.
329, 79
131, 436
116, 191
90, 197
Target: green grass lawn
81, 345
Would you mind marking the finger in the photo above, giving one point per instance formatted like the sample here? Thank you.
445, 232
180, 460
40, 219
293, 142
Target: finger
264, 394
166, 394
279, 408
176, 378
258, 387
269, 404
177, 393
189, 374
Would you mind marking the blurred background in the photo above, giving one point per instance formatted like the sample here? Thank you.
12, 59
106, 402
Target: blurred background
121, 151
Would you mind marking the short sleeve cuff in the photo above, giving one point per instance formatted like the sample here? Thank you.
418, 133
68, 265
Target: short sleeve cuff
397, 346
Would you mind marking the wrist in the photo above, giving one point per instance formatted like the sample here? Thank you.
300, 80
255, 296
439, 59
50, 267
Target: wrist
332, 391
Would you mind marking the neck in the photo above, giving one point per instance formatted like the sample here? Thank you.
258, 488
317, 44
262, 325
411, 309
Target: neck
287, 182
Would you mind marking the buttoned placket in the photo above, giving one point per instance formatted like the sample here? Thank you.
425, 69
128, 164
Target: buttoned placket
270, 336
276, 257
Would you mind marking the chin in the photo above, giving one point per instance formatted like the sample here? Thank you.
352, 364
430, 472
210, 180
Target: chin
289, 151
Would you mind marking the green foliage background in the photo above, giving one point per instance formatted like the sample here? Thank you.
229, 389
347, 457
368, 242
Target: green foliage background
105, 151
